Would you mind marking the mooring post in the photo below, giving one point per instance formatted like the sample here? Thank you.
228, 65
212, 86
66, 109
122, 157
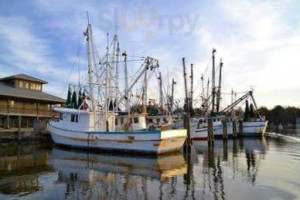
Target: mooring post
186, 125
225, 150
210, 130
211, 155
234, 129
19, 127
7, 122
240, 133
225, 132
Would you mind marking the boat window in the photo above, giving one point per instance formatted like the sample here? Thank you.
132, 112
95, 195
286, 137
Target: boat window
74, 118
136, 120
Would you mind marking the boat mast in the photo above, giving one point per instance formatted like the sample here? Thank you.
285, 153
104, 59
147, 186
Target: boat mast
126, 82
220, 85
113, 64
172, 94
192, 83
232, 110
90, 70
186, 103
145, 89
160, 93
202, 92
213, 81
117, 76
107, 81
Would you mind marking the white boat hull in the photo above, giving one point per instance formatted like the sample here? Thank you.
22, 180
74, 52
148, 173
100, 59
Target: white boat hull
154, 142
249, 129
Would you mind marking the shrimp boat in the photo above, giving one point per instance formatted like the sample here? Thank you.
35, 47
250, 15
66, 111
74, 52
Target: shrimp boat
251, 125
92, 123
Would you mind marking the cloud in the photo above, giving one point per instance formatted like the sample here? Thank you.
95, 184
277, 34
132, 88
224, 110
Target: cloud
258, 41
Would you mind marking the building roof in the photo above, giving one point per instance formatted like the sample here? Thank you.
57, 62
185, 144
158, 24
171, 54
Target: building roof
6, 90
23, 77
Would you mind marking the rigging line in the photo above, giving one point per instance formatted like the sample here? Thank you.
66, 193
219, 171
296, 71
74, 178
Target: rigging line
73, 65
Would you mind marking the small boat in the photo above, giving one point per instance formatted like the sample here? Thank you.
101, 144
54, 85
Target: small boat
94, 125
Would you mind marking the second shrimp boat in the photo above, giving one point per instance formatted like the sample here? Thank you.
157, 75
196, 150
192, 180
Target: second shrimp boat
253, 125
92, 124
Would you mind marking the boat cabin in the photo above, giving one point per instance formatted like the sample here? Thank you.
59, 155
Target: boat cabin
136, 121
83, 120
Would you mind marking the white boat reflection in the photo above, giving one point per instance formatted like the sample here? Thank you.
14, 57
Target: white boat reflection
91, 168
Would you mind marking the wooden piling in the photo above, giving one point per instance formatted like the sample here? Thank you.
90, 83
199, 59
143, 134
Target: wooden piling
234, 129
225, 150
19, 127
210, 130
7, 122
240, 133
186, 125
225, 130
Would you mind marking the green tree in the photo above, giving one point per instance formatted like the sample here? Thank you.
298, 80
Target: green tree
251, 111
69, 98
80, 98
74, 100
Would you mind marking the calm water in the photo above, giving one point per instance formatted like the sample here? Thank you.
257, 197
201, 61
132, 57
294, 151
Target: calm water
267, 168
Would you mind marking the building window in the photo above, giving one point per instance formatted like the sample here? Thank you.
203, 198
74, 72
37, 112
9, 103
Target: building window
74, 118
49, 106
11, 103
116, 122
122, 120
26, 85
21, 84
136, 120
32, 86
38, 87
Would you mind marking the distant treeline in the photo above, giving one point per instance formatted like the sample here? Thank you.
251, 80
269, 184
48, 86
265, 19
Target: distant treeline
280, 115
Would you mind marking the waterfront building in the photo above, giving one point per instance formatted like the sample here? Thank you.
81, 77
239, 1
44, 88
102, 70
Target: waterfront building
22, 101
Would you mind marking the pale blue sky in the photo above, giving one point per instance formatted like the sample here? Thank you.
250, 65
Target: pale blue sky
259, 41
